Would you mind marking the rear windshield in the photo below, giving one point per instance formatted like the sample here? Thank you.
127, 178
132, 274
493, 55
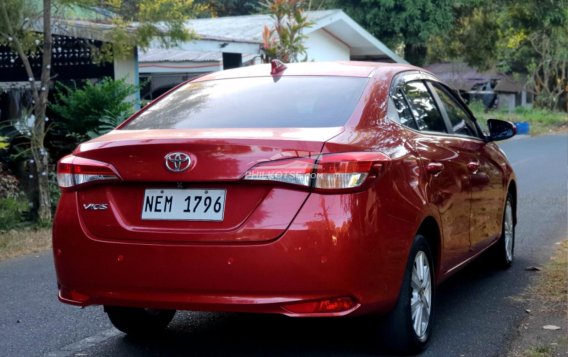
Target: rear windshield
259, 102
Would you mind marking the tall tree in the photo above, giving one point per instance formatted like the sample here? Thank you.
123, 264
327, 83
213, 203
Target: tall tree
217, 8
26, 27
473, 36
402, 24
529, 38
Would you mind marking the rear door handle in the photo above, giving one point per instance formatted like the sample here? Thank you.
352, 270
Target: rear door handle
434, 167
473, 166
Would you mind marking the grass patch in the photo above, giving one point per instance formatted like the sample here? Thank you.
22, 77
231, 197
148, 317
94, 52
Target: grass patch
540, 351
541, 121
546, 303
22, 242
552, 288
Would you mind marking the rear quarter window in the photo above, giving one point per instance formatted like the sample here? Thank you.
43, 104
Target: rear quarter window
259, 102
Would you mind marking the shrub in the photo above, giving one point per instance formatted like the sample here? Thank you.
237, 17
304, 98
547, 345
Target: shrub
82, 112
12, 212
541, 120
12, 204
9, 185
4, 142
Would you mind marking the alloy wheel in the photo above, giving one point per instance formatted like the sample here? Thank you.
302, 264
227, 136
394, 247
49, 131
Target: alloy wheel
421, 295
509, 232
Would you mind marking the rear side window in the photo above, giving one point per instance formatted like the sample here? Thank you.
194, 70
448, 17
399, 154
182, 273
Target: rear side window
403, 110
258, 102
426, 113
460, 120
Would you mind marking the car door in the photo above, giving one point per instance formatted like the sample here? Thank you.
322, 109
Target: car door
486, 176
445, 167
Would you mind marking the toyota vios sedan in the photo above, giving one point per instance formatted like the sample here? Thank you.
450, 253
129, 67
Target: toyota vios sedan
309, 190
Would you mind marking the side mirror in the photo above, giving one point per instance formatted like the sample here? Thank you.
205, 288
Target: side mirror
500, 129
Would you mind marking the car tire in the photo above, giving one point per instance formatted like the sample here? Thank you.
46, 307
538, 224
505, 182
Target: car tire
139, 321
407, 328
504, 250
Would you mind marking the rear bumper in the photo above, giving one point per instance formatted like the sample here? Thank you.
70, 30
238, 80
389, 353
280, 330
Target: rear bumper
331, 249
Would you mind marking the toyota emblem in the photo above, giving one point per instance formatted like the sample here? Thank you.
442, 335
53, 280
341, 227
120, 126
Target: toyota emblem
177, 161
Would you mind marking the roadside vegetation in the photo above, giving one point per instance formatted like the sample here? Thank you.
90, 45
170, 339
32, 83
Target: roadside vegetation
20, 232
15, 243
541, 121
543, 333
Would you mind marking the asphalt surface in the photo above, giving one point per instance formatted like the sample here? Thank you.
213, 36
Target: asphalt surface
475, 317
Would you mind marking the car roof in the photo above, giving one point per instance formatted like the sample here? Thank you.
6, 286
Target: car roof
340, 68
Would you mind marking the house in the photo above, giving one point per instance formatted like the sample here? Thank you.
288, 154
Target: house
493, 88
76, 33
227, 42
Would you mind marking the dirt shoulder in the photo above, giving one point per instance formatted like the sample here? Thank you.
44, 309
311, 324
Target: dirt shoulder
16, 243
544, 331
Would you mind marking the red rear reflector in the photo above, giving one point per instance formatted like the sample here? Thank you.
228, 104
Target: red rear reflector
73, 296
322, 306
329, 172
74, 170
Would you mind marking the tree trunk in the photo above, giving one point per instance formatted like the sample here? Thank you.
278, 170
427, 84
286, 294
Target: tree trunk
415, 54
38, 137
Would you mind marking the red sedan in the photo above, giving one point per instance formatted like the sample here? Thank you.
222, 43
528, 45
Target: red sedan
309, 190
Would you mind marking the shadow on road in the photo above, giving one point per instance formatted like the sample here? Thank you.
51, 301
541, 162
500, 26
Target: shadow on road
216, 334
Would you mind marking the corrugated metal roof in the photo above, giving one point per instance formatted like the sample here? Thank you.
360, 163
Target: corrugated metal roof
242, 28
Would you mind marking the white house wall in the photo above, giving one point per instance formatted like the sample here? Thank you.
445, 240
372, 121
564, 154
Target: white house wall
321, 46
127, 69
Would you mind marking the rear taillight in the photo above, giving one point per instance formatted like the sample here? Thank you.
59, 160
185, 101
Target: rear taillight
73, 171
328, 172
336, 305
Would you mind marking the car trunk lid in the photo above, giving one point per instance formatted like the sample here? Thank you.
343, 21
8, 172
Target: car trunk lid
252, 212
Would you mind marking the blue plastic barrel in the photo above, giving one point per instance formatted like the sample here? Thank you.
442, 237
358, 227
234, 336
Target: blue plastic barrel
523, 127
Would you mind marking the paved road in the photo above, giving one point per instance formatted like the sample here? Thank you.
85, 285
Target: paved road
475, 316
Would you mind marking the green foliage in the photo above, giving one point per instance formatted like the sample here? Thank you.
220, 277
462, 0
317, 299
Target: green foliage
12, 15
108, 122
12, 213
217, 8
9, 185
408, 24
285, 41
83, 110
3, 142
473, 36
540, 120
161, 20
12, 204
525, 37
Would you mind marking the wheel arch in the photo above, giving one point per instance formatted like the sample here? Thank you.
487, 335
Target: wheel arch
512, 190
430, 229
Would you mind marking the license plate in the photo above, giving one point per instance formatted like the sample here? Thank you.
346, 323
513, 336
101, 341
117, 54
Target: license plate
183, 204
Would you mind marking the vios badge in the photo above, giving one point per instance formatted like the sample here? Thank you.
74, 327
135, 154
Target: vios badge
95, 206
